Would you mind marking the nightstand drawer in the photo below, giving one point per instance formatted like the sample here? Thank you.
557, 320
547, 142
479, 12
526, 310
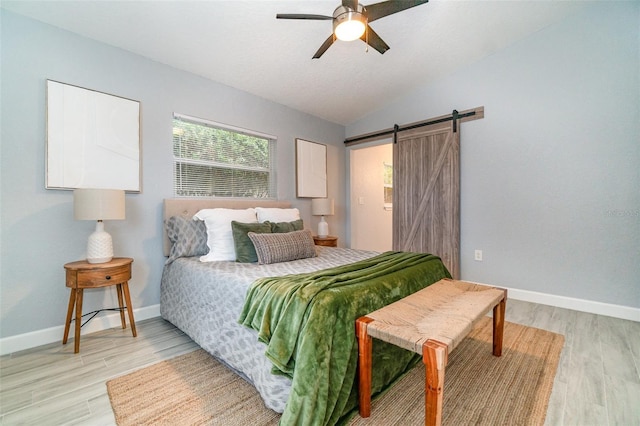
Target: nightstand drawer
99, 278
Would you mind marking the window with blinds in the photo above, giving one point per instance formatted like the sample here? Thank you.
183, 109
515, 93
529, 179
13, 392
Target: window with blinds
216, 160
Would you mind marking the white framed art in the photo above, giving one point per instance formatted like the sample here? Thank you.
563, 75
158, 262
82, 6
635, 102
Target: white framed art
311, 169
93, 139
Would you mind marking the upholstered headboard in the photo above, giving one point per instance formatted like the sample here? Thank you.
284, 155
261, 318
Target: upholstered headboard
187, 207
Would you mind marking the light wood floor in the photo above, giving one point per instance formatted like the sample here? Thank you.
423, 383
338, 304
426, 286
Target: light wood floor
597, 382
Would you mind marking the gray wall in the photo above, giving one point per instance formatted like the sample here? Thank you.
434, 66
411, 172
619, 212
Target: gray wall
37, 232
550, 176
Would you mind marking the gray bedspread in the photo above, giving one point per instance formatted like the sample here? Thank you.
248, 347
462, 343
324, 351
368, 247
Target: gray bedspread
205, 301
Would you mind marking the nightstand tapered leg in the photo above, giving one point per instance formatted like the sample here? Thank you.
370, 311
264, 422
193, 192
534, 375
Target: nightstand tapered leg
127, 297
121, 305
78, 319
67, 324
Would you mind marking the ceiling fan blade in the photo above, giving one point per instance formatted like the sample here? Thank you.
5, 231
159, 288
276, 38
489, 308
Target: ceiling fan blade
302, 16
386, 8
351, 4
373, 39
327, 44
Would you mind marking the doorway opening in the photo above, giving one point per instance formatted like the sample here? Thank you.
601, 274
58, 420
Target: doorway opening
371, 194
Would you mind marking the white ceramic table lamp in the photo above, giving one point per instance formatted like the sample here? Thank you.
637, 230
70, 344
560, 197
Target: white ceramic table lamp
322, 207
99, 205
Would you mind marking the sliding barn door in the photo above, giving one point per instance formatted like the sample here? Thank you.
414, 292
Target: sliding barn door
426, 193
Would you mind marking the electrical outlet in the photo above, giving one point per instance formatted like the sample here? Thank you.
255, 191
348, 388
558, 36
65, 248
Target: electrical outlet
478, 255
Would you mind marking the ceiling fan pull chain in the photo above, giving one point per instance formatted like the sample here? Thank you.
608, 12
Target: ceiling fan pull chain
366, 36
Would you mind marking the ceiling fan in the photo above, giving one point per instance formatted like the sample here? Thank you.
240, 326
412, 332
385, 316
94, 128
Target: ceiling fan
351, 21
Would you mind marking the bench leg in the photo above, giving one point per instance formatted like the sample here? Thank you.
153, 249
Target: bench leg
365, 345
498, 325
434, 356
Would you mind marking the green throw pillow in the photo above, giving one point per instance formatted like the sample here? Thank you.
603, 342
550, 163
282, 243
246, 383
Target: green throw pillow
281, 227
245, 252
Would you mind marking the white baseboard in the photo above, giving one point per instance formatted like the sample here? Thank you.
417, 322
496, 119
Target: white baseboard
54, 334
607, 309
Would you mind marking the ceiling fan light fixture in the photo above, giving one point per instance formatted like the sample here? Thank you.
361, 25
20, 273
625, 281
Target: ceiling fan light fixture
349, 24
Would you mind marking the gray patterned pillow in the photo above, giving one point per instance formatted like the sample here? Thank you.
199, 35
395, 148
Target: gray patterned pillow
282, 247
188, 237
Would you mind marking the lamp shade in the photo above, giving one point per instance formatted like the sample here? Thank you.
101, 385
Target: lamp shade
322, 206
98, 204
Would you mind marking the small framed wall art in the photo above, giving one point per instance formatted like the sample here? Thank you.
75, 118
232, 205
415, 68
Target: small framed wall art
311, 169
93, 139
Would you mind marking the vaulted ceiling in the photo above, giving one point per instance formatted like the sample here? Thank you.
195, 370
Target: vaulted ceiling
241, 44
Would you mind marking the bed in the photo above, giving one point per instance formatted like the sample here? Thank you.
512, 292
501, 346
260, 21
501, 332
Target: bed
207, 300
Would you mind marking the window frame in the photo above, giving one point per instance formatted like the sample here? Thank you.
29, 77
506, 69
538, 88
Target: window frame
386, 185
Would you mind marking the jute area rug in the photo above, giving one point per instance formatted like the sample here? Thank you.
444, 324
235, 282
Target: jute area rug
195, 389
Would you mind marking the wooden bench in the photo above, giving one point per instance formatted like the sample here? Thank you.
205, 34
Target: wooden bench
430, 322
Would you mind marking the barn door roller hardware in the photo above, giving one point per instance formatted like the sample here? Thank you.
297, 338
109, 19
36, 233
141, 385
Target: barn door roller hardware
476, 113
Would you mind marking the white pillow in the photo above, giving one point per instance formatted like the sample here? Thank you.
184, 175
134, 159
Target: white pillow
277, 215
219, 234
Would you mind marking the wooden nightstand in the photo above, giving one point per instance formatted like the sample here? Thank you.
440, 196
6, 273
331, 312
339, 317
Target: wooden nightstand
327, 241
82, 274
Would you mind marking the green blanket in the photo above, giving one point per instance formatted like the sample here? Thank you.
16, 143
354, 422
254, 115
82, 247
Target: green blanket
308, 324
